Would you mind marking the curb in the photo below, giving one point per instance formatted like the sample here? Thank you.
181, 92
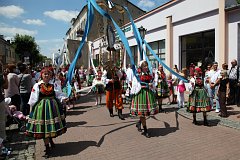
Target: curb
212, 119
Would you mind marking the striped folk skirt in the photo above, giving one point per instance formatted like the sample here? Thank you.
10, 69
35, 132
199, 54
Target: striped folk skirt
144, 103
199, 101
162, 90
46, 120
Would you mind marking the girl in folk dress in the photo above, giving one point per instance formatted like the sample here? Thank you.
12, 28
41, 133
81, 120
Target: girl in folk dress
143, 102
98, 86
199, 100
161, 86
170, 87
46, 119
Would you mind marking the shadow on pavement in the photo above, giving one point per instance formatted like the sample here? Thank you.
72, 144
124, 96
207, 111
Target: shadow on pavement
74, 148
156, 132
103, 137
81, 107
170, 109
84, 99
74, 113
75, 124
212, 122
77, 147
233, 112
111, 124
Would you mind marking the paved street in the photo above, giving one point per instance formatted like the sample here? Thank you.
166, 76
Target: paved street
92, 134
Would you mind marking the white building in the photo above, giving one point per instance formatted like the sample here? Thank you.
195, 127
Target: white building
98, 29
185, 31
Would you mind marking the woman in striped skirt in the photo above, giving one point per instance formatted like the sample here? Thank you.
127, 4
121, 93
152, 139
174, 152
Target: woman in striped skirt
46, 119
199, 100
143, 102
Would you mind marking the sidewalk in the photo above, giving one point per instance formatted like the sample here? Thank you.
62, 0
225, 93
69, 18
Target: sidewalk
23, 147
92, 134
231, 121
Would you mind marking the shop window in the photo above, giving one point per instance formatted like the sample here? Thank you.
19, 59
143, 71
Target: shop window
198, 48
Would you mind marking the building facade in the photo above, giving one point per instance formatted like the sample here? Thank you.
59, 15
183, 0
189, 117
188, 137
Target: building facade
7, 52
190, 31
98, 31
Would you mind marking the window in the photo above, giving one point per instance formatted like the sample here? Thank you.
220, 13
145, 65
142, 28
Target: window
198, 48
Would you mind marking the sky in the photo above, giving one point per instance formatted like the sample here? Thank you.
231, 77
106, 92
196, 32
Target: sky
47, 20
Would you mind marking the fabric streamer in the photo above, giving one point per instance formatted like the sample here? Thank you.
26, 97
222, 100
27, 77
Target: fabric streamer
78, 53
140, 42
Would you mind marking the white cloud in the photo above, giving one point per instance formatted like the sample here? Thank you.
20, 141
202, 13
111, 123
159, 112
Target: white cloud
61, 15
50, 46
9, 31
11, 11
146, 3
46, 41
37, 22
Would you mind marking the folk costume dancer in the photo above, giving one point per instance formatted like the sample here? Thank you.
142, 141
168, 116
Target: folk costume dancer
46, 119
199, 100
91, 76
114, 91
124, 85
98, 86
143, 101
161, 86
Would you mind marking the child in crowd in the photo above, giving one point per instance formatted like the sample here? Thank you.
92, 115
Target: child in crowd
98, 86
181, 88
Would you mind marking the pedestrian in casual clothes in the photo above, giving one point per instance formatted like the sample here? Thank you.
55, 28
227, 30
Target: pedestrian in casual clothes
13, 87
46, 119
3, 85
175, 83
234, 82
25, 88
223, 92
129, 80
212, 78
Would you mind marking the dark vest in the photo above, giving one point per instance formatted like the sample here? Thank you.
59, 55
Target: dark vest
116, 85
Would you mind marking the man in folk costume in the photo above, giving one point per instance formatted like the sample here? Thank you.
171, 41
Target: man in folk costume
114, 90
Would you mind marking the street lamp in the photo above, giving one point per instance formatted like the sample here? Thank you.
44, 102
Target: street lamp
142, 32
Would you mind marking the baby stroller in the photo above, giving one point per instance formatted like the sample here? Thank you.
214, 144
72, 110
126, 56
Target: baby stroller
14, 117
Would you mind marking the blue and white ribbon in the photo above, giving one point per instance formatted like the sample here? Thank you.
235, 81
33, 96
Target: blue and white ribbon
78, 53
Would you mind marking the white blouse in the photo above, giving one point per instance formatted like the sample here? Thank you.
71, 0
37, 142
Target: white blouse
34, 97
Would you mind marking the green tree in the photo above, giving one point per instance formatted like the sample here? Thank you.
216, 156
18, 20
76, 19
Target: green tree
25, 46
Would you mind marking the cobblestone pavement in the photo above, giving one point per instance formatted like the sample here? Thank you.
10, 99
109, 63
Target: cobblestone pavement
93, 135
23, 147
